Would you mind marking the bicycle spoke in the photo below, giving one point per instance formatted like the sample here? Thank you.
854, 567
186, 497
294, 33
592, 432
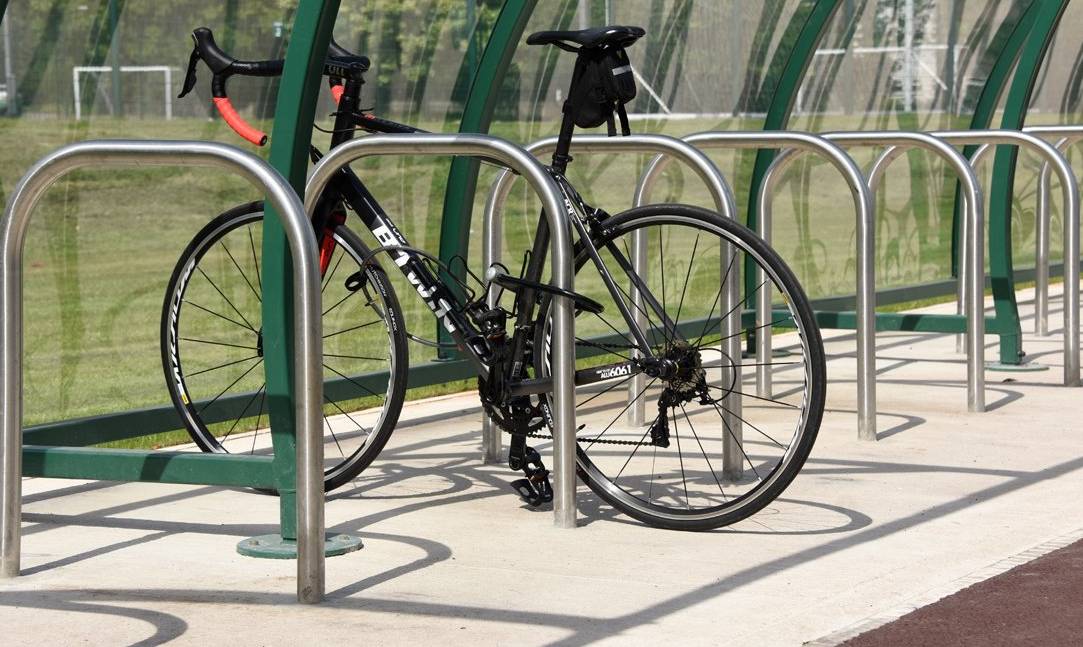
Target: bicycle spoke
259, 416
761, 432
626, 407
740, 445
662, 271
215, 368
654, 462
680, 457
340, 302
238, 266
216, 343
343, 412
333, 436
226, 299
231, 385
607, 390
350, 418
742, 331
255, 258
785, 404
221, 316
650, 322
765, 364
587, 342
243, 411
714, 474
687, 277
728, 313
631, 343
638, 445
334, 269
707, 323
352, 381
364, 325
374, 359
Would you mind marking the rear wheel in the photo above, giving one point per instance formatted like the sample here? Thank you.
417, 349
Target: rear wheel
709, 450
212, 346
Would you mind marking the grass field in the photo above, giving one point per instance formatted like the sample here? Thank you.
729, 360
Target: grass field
103, 242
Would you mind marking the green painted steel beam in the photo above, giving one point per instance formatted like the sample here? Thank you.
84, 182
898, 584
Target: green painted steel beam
818, 17
1012, 32
895, 321
805, 40
1046, 19
477, 116
148, 466
291, 138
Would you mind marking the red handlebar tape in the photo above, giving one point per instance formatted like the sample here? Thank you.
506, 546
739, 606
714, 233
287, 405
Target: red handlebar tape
336, 92
237, 123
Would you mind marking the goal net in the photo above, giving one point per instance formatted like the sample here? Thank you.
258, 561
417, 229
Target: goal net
140, 95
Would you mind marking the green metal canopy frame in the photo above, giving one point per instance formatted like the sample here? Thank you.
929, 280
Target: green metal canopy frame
1047, 15
291, 138
1027, 43
1023, 52
477, 116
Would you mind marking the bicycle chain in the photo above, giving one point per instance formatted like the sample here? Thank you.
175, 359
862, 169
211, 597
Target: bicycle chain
490, 409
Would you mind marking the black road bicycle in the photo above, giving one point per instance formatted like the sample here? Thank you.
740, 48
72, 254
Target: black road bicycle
666, 472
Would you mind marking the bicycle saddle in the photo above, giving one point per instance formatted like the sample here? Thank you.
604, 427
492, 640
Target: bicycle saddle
613, 36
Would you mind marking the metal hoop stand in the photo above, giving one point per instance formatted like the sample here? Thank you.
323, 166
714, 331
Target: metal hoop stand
724, 203
972, 191
307, 331
866, 285
521, 161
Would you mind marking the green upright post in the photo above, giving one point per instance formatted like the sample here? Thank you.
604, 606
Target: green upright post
291, 138
789, 81
462, 180
1001, 270
986, 105
817, 20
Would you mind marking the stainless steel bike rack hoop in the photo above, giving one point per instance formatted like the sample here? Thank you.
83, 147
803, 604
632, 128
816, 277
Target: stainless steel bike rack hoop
1067, 135
1052, 158
724, 203
866, 294
972, 190
563, 366
306, 328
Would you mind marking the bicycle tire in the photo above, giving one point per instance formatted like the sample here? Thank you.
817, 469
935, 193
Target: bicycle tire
176, 306
758, 494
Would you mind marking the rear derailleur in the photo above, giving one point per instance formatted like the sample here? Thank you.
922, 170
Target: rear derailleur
535, 489
520, 417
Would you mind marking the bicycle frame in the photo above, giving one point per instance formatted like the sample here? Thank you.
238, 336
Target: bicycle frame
445, 305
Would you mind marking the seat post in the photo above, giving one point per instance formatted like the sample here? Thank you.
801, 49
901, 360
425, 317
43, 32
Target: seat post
564, 141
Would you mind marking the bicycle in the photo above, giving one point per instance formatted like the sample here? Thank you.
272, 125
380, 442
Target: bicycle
210, 324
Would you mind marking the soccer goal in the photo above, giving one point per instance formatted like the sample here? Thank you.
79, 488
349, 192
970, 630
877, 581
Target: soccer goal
164, 70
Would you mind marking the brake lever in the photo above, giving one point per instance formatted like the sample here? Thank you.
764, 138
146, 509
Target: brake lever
190, 77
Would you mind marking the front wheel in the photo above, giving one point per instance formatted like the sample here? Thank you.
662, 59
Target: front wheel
708, 450
212, 345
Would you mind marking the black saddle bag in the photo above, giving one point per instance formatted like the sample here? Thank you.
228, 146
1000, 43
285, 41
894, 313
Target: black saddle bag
602, 83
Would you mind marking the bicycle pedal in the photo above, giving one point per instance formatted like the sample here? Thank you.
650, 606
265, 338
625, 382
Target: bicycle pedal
531, 495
